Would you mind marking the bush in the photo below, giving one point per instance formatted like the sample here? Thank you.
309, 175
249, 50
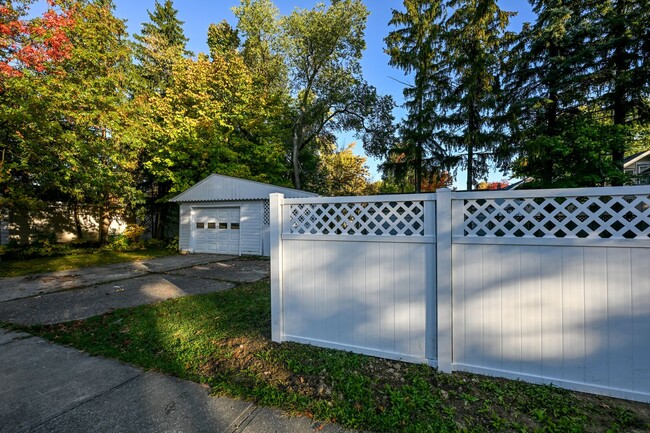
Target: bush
134, 232
155, 243
174, 245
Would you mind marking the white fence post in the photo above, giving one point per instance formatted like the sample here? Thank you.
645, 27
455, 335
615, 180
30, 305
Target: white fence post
276, 203
444, 278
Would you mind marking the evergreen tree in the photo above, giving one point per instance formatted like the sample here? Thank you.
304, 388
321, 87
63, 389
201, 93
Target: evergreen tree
579, 84
476, 42
417, 47
543, 87
618, 56
223, 40
159, 43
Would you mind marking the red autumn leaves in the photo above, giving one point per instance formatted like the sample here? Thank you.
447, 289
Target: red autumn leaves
32, 43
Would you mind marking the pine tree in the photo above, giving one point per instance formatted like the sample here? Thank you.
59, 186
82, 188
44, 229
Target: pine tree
160, 42
476, 41
417, 47
543, 86
159, 47
618, 54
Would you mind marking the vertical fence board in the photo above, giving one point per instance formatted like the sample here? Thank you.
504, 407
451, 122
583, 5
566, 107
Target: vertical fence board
641, 318
573, 298
596, 344
619, 317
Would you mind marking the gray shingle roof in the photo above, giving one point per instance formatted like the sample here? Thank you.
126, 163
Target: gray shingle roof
218, 187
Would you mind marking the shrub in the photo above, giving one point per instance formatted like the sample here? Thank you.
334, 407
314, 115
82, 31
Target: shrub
133, 232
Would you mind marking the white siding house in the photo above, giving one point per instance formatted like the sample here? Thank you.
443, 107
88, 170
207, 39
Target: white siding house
638, 165
227, 215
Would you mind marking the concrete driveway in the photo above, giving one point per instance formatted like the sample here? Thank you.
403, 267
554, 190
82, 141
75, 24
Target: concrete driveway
78, 294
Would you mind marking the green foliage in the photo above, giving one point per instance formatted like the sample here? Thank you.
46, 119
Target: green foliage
577, 88
578, 156
311, 59
417, 47
67, 130
223, 40
342, 173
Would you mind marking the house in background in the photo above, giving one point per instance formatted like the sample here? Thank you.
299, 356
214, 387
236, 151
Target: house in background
228, 215
638, 165
56, 220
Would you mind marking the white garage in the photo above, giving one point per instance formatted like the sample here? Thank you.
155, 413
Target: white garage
228, 215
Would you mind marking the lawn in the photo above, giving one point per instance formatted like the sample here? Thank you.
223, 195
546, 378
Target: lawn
223, 340
75, 260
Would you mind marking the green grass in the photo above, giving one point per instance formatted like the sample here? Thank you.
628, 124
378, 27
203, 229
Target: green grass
75, 260
222, 340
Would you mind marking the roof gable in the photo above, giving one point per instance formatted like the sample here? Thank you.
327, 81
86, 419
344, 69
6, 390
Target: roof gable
218, 187
636, 157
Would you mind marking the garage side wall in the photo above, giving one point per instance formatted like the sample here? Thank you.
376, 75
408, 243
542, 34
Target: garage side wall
251, 227
184, 231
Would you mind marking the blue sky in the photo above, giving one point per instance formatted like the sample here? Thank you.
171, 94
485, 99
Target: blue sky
199, 14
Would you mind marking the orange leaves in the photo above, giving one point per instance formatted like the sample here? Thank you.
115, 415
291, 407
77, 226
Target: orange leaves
33, 44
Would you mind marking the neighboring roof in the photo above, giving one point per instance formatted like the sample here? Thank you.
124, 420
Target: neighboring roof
634, 158
218, 187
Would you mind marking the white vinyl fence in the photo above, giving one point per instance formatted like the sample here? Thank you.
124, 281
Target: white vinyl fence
549, 286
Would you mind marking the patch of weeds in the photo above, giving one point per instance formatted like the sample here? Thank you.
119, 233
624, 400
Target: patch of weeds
75, 258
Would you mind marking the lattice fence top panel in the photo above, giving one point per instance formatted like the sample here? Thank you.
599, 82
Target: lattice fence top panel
599, 217
395, 218
266, 213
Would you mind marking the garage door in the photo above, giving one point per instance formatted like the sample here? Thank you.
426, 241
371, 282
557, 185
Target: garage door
216, 230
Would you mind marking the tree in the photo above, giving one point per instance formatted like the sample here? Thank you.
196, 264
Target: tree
417, 47
581, 67
32, 44
323, 48
476, 41
618, 57
223, 40
544, 90
213, 120
68, 138
96, 114
161, 44
258, 22
343, 172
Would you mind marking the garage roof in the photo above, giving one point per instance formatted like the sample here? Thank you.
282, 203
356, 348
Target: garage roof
218, 187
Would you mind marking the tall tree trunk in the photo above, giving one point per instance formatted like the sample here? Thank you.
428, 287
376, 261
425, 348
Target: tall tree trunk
552, 130
160, 212
77, 221
470, 165
104, 222
620, 106
473, 127
418, 168
296, 141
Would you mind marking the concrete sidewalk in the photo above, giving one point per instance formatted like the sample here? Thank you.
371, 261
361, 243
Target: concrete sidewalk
50, 388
